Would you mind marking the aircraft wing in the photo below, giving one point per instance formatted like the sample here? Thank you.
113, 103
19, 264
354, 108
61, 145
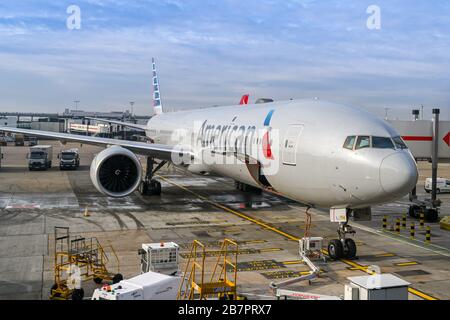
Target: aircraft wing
126, 124
159, 151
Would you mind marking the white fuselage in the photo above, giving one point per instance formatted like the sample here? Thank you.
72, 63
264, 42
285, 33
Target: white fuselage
295, 148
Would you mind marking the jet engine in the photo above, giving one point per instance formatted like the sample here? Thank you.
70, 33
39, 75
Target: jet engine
116, 172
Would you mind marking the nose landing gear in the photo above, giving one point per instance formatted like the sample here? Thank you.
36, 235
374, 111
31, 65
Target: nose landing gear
343, 247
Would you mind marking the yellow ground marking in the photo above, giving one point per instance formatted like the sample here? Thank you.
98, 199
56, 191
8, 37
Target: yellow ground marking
292, 262
421, 294
385, 255
253, 241
405, 264
270, 250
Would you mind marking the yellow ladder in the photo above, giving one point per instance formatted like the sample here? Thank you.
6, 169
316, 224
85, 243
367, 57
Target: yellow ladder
193, 284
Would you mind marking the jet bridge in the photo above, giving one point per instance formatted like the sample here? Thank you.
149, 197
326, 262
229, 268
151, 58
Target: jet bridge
428, 140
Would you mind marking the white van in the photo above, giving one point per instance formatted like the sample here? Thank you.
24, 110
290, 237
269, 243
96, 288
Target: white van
442, 185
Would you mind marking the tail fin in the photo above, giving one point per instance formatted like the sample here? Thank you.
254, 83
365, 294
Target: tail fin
157, 105
244, 99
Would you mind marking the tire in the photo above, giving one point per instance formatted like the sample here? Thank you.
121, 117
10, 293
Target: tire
335, 249
144, 188
431, 215
350, 248
427, 191
98, 280
157, 188
414, 211
117, 278
78, 294
438, 191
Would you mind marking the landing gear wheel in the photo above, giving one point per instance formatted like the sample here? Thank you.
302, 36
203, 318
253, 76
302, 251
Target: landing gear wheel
150, 188
349, 248
156, 187
143, 188
98, 280
413, 211
335, 249
78, 294
117, 278
431, 215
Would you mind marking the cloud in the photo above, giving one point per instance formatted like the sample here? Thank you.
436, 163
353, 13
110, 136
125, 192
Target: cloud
212, 53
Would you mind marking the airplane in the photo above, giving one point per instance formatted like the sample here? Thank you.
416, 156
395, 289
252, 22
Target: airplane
318, 153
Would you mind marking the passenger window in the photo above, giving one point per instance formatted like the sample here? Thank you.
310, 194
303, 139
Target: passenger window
382, 143
399, 143
349, 142
363, 142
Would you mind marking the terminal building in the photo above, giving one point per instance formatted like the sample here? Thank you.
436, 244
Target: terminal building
75, 121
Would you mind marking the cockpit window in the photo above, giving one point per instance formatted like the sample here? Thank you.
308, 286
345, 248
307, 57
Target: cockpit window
382, 143
399, 143
363, 142
349, 142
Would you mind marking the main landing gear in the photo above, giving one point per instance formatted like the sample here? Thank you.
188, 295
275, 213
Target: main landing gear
150, 186
247, 188
343, 247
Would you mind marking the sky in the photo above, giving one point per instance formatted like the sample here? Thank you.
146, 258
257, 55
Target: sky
212, 52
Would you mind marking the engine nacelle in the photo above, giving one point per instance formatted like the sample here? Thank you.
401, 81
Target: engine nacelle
116, 172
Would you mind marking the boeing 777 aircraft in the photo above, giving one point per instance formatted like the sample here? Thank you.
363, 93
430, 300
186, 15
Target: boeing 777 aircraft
319, 153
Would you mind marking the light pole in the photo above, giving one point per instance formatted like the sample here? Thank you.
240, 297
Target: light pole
131, 104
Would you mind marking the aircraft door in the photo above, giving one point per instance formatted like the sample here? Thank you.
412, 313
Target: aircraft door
289, 147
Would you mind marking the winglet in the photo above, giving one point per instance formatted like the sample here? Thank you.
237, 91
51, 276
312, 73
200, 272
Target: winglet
244, 99
157, 105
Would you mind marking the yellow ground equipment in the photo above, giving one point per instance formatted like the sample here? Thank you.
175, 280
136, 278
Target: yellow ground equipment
221, 284
445, 223
79, 259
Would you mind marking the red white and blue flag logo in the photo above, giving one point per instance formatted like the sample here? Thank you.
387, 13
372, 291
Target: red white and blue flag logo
267, 150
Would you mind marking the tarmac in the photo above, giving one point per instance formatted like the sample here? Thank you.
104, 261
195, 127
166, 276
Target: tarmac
206, 208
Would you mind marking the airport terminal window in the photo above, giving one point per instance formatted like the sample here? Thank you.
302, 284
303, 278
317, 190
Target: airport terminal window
382, 143
349, 142
399, 143
363, 142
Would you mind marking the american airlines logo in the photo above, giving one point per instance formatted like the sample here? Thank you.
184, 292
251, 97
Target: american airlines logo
231, 143
266, 144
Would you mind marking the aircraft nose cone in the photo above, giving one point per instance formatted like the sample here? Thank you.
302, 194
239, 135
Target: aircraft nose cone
398, 174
